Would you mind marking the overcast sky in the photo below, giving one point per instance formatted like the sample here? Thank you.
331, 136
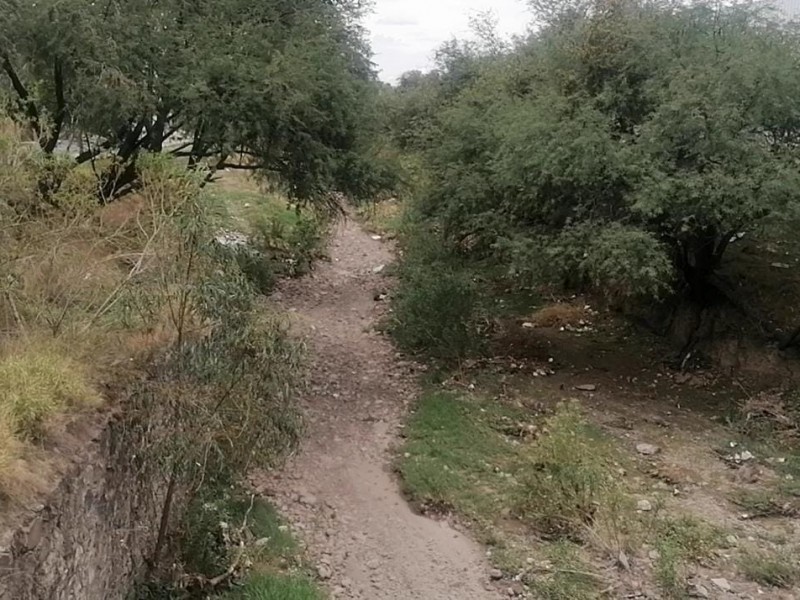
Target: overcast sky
405, 33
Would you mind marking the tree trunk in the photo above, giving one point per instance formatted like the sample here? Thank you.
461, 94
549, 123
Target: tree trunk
166, 511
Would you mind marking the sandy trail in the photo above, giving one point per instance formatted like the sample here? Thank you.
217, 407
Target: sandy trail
338, 490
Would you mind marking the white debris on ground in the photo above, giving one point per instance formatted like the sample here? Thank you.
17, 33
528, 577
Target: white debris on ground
232, 239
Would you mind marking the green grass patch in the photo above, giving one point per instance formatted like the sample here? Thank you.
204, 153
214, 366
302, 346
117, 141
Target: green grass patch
455, 456
242, 207
776, 569
271, 532
216, 529
285, 239
274, 548
788, 468
479, 458
680, 542
225, 519
385, 217
274, 587
790, 487
564, 574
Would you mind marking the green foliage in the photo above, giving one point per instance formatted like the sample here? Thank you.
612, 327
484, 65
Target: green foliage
203, 539
291, 247
220, 519
617, 261
283, 239
435, 308
680, 542
219, 402
569, 485
619, 148
140, 294
224, 526
256, 267
274, 587
285, 84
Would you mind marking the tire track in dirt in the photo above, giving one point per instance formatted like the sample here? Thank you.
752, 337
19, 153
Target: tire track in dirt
338, 490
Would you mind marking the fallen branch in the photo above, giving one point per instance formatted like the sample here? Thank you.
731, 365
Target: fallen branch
205, 583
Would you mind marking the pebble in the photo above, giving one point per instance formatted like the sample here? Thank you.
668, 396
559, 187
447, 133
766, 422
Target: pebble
587, 387
495, 574
644, 506
324, 572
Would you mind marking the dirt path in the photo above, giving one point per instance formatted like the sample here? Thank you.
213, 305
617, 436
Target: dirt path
338, 491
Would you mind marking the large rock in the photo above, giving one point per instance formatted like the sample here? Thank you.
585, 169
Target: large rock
647, 449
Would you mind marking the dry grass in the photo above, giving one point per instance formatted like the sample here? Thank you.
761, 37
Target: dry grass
772, 568
9, 445
84, 292
571, 485
16, 181
559, 315
384, 218
773, 414
38, 380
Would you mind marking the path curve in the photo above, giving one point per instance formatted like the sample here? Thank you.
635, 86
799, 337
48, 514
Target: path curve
338, 490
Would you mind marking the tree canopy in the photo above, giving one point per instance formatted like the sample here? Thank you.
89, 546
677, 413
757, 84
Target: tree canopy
285, 86
622, 146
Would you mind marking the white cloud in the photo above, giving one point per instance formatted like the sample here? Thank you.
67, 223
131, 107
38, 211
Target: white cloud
406, 33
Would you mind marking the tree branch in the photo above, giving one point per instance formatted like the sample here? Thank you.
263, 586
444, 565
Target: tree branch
241, 167
92, 153
61, 108
179, 151
25, 101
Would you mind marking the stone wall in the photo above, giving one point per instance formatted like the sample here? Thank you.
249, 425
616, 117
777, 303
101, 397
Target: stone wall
89, 539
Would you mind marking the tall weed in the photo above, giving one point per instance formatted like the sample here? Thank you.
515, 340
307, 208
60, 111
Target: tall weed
570, 487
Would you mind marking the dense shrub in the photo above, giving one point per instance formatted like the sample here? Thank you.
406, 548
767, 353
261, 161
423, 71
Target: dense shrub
290, 246
435, 308
619, 148
140, 296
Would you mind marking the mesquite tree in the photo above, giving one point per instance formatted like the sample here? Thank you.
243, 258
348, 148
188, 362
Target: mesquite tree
281, 86
623, 146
